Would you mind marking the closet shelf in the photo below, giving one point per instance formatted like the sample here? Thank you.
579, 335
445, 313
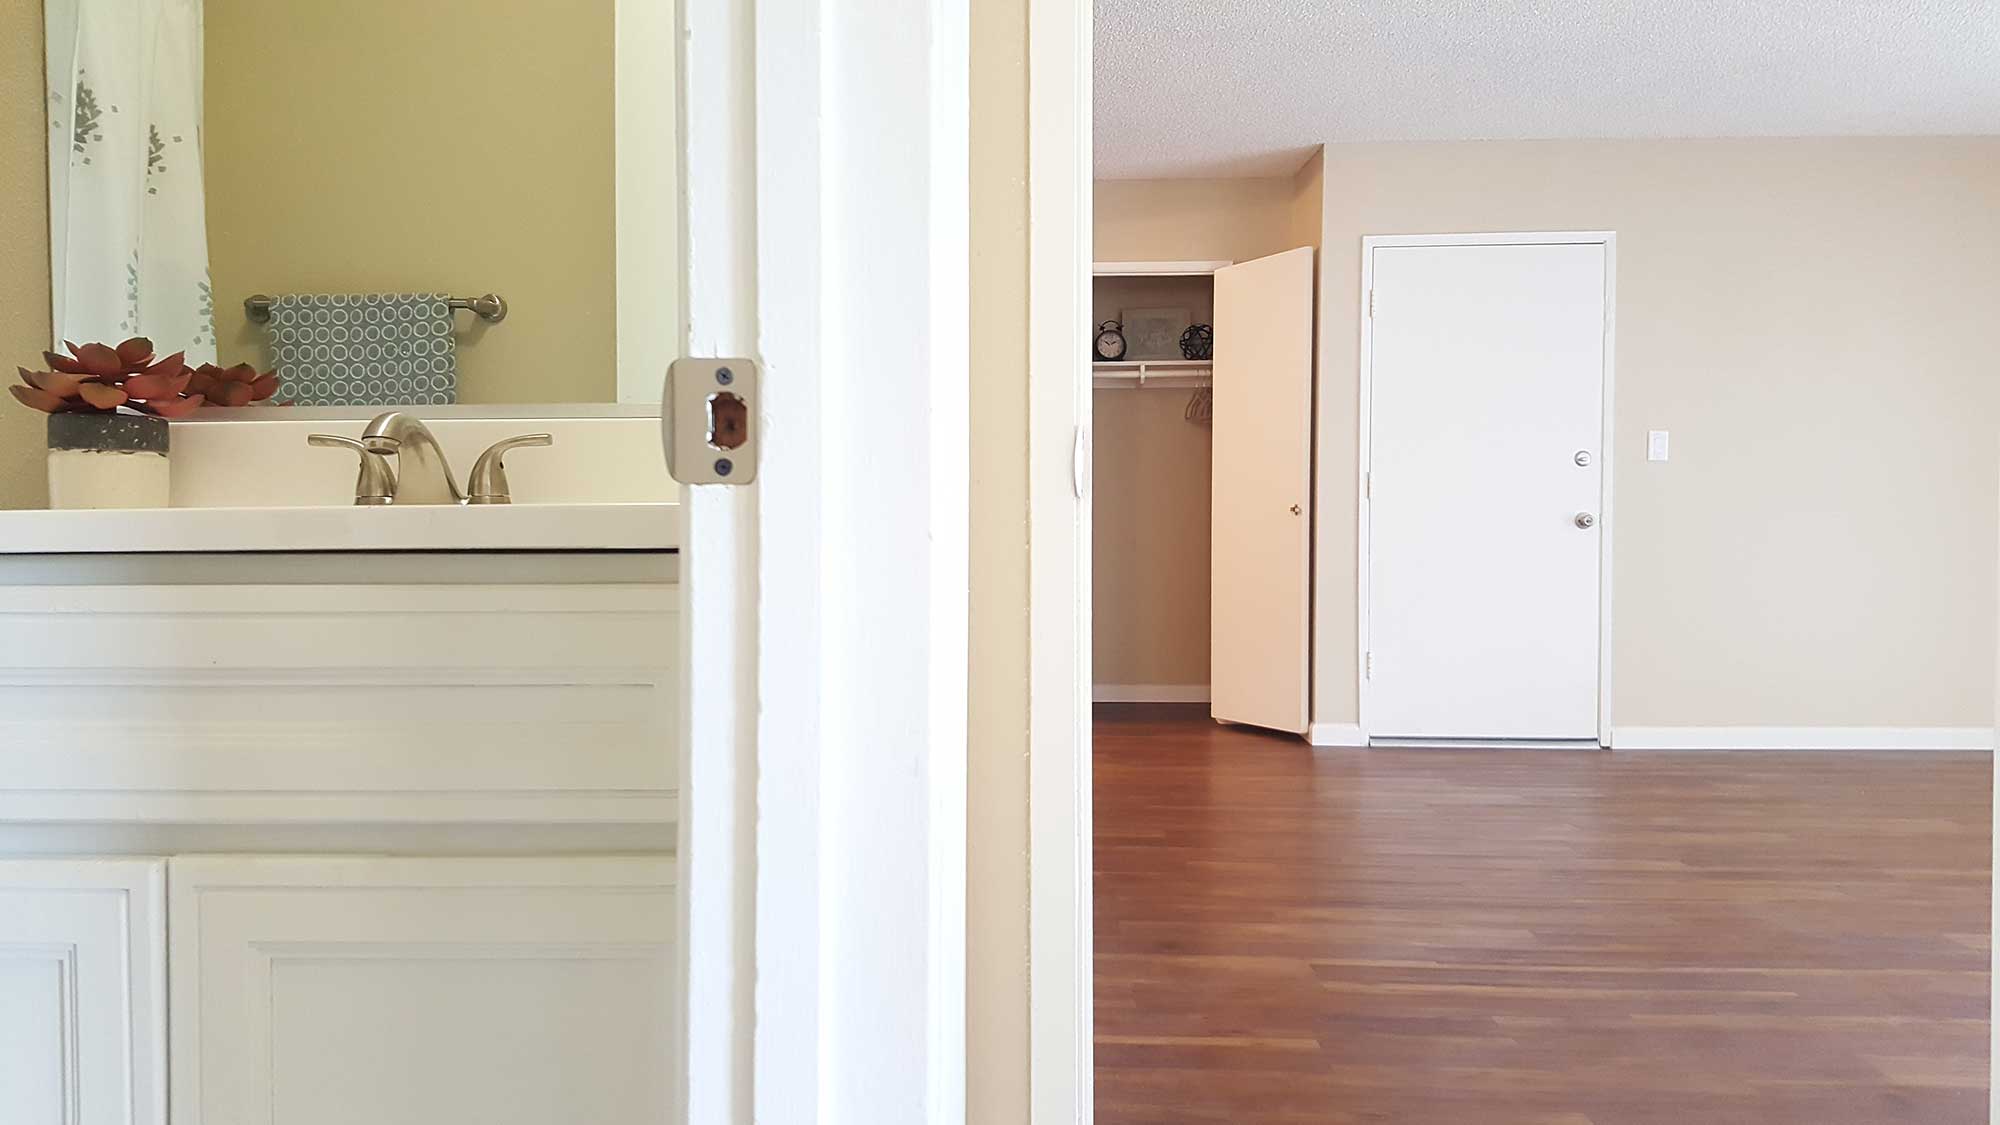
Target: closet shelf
1152, 373
1157, 269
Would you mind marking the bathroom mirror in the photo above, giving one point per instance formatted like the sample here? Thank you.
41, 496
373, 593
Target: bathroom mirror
211, 151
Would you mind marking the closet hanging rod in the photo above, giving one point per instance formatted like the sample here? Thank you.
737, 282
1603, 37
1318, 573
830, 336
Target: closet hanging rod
491, 307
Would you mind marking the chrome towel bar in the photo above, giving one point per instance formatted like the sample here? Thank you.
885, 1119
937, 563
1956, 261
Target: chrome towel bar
490, 307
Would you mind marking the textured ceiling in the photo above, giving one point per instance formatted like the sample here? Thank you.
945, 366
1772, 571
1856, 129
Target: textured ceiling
1249, 87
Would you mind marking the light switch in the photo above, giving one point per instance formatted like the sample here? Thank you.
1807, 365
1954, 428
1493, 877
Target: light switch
1656, 445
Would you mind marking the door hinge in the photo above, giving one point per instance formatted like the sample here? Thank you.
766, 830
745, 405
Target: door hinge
709, 420
1371, 302
1368, 486
1368, 667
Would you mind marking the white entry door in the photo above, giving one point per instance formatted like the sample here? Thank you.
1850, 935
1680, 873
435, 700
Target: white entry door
1486, 445
1261, 558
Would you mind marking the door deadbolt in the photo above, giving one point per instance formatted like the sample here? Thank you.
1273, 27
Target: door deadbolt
1583, 457
1585, 520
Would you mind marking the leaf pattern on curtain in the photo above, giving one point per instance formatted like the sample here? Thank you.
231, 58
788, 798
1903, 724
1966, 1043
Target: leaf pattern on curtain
87, 113
205, 313
128, 228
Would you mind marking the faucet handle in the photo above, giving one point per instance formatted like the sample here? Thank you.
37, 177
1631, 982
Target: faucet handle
488, 482
376, 483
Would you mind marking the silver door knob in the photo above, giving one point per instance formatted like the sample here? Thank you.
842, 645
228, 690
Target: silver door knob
1585, 520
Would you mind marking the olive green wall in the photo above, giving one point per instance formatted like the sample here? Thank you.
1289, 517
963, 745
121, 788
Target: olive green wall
389, 146
24, 231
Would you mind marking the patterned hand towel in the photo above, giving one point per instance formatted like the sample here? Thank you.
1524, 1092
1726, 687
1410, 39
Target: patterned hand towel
371, 349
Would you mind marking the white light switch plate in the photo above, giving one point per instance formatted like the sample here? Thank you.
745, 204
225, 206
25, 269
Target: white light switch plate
1656, 445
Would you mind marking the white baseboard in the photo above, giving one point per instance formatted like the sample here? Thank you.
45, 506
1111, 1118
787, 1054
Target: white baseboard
1149, 693
1802, 738
1336, 734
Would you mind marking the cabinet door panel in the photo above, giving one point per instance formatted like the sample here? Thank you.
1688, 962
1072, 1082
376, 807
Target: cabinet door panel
82, 1037
412, 991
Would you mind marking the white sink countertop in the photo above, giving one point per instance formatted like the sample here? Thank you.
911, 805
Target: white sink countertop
247, 480
433, 527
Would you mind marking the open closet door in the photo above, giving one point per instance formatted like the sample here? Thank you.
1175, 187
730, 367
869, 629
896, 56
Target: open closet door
1260, 601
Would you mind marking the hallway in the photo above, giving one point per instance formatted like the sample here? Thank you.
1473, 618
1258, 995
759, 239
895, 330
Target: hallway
1460, 937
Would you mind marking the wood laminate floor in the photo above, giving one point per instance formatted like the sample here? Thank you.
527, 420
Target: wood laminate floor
1468, 937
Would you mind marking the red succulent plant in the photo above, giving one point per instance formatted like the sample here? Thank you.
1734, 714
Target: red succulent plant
240, 385
101, 379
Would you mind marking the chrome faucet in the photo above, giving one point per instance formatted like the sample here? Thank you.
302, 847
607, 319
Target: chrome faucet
376, 484
423, 476
488, 482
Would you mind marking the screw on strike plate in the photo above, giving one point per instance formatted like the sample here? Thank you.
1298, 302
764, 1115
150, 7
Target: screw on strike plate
724, 376
723, 466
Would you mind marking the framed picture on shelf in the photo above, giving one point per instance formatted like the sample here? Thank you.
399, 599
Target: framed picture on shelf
1155, 333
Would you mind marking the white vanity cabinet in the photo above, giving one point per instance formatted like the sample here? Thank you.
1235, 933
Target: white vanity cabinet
327, 991
82, 992
397, 834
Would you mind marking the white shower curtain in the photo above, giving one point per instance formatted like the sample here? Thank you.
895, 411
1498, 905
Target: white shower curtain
128, 233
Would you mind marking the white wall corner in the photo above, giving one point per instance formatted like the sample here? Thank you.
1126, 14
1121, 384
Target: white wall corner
1336, 734
1802, 738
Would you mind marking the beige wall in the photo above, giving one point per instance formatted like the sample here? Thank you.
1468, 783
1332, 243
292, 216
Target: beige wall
1150, 540
997, 702
1143, 220
382, 145
24, 231
1150, 472
1308, 203
1813, 320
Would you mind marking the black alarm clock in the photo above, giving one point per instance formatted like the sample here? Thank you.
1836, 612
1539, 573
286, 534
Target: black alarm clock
1110, 344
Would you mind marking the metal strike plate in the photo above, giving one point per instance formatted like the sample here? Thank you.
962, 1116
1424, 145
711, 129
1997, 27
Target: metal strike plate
708, 419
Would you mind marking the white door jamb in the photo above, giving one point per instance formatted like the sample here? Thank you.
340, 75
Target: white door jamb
1059, 399
823, 794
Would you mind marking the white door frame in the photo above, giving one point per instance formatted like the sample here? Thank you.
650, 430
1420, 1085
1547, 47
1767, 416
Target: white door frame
822, 837
1605, 523
1060, 938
